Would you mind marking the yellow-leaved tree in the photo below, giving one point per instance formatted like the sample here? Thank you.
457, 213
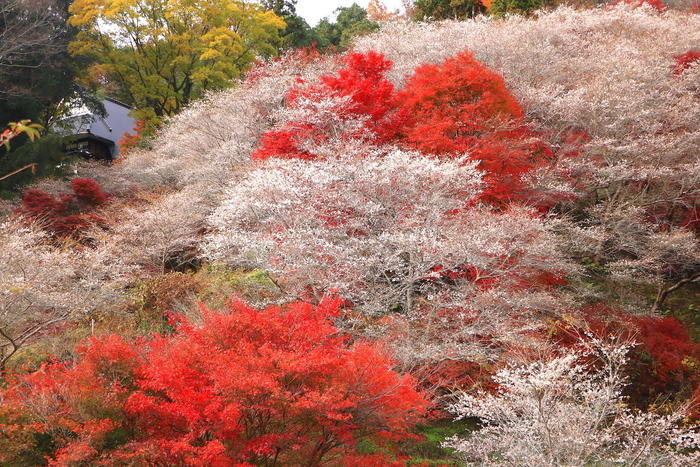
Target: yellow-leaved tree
161, 54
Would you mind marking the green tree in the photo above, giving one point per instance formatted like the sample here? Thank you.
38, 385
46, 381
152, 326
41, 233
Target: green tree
522, 7
161, 54
46, 152
36, 70
37, 83
447, 9
297, 32
351, 21
281, 7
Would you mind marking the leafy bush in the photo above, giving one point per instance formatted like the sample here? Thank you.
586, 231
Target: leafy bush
272, 386
459, 107
67, 215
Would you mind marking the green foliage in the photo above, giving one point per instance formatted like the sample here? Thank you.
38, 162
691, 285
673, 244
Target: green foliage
221, 282
522, 7
429, 450
46, 152
153, 300
447, 9
298, 33
426, 450
352, 21
281, 7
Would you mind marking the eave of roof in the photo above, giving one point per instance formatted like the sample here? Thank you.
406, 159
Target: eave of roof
118, 103
81, 136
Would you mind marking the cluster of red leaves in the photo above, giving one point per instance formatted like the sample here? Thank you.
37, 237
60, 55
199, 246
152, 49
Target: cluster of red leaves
461, 107
658, 5
67, 215
131, 141
277, 386
456, 107
369, 94
685, 213
685, 61
664, 361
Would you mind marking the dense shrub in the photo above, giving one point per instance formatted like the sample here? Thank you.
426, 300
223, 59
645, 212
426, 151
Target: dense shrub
663, 362
459, 107
65, 215
277, 386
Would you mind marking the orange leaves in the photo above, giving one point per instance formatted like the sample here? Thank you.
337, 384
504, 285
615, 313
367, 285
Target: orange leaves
131, 141
246, 386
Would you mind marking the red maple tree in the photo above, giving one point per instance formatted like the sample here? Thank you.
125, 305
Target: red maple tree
453, 108
459, 107
278, 386
67, 214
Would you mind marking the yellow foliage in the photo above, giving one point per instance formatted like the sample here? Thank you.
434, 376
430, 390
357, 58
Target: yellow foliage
164, 53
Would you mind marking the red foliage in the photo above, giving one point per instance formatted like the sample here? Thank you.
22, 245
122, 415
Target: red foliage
66, 215
462, 107
88, 191
247, 386
364, 82
130, 141
370, 95
664, 361
658, 5
453, 108
685, 61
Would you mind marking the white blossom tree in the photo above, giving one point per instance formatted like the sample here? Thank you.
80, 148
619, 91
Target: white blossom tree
43, 284
634, 171
393, 231
569, 410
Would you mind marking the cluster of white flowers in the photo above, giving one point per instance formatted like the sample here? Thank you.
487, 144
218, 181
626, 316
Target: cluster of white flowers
609, 73
373, 229
569, 410
42, 284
